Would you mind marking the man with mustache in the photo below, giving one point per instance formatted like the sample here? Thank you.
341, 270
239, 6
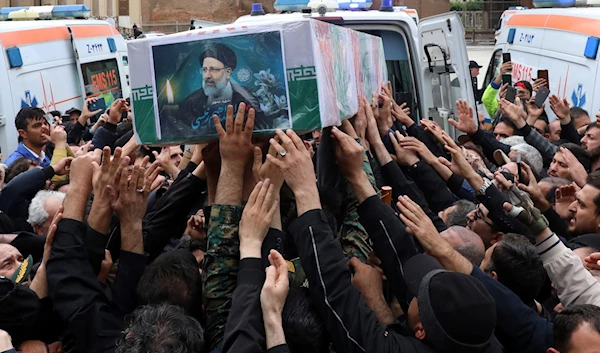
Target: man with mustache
218, 63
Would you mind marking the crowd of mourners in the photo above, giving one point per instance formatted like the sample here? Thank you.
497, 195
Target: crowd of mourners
380, 235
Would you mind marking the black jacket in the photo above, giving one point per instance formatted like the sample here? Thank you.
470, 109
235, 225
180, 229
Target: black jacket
95, 322
18, 193
351, 324
401, 185
168, 218
245, 330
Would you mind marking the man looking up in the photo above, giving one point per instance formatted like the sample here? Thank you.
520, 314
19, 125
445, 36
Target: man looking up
34, 133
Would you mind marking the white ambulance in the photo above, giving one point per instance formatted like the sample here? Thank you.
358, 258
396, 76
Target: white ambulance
427, 59
564, 41
54, 64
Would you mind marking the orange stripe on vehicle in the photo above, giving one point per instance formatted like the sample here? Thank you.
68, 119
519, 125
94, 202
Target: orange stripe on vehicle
410, 11
528, 20
582, 25
93, 31
31, 36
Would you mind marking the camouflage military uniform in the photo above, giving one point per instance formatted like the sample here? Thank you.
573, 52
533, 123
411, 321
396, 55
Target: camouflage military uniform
221, 265
353, 236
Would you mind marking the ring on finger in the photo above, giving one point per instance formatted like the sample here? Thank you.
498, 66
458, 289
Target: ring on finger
282, 152
140, 190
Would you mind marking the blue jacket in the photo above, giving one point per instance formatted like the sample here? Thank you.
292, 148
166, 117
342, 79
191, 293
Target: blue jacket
22, 151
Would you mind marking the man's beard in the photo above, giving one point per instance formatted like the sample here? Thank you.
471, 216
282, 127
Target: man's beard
594, 153
217, 89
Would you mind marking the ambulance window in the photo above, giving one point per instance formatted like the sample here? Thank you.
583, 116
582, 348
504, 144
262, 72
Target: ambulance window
102, 80
399, 67
125, 61
494, 67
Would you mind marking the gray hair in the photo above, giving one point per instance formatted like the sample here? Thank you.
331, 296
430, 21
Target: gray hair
37, 211
458, 217
471, 246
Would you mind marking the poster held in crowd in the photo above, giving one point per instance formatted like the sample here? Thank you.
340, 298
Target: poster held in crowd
298, 74
199, 79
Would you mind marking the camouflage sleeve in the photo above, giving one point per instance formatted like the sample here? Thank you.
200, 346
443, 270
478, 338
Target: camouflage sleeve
221, 263
353, 236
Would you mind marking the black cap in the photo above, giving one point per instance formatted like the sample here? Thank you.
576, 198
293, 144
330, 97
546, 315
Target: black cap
474, 65
220, 52
73, 110
457, 312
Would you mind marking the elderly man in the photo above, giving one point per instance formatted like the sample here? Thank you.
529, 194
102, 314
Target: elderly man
42, 209
218, 63
466, 242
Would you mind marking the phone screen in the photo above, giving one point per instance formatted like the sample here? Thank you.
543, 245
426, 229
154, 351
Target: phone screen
505, 57
541, 96
506, 78
544, 74
511, 94
50, 119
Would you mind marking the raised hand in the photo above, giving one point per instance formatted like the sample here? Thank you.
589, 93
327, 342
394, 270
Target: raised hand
293, 160
63, 166
349, 153
86, 114
402, 114
117, 108
414, 145
105, 174
84, 149
576, 169
505, 68
560, 107
534, 111
533, 189
513, 111
129, 193
418, 223
593, 261
539, 82
459, 164
433, 128
359, 122
276, 286
465, 121
295, 163
267, 170
385, 112
565, 196
404, 157
235, 141
58, 136
257, 217
164, 161
195, 226
40, 284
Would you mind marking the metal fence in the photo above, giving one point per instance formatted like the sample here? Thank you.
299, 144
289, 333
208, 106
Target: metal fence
165, 27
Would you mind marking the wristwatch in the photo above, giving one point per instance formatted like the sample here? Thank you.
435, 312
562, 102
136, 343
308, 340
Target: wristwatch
486, 184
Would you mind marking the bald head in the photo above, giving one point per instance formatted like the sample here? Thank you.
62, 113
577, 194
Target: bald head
466, 242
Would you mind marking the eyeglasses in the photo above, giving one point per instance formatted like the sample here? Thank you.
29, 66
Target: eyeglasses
212, 70
479, 215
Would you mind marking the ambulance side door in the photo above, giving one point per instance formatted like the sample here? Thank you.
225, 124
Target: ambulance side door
444, 68
100, 63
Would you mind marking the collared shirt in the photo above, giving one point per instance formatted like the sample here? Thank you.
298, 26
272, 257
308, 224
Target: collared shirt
40, 159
